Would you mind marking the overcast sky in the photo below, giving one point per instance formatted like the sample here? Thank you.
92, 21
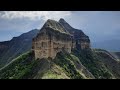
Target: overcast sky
98, 25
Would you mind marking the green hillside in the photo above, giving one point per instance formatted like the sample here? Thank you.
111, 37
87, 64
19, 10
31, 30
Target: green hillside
16, 46
85, 64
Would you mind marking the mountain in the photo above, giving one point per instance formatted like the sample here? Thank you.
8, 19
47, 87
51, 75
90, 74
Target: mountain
110, 45
116, 55
55, 36
60, 51
60, 68
111, 62
18, 45
82, 41
85, 64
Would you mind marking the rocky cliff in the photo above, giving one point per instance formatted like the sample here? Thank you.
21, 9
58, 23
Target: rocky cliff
51, 39
57, 36
70, 52
81, 40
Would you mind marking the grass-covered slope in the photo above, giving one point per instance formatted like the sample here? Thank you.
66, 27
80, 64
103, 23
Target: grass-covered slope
72, 66
18, 68
64, 66
16, 46
93, 63
116, 55
112, 63
84, 64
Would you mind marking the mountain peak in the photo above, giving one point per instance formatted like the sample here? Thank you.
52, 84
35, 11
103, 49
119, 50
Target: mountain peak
65, 24
54, 25
50, 22
62, 20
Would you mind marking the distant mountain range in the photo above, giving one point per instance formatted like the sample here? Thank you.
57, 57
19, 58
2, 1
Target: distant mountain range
18, 45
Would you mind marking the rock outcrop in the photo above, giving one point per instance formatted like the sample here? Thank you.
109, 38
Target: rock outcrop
81, 40
57, 36
51, 39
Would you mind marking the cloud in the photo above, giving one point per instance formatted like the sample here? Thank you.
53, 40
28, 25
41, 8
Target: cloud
23, 21
98, 25
34, 15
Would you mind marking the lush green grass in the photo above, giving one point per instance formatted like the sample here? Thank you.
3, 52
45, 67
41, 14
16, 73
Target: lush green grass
55, 72
63, 66
51, 75
25, 66
92, 62
64, 60
19, 68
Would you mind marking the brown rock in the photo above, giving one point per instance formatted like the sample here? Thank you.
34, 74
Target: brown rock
51, 39
55, 36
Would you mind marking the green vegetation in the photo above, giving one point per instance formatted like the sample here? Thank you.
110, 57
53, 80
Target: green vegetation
16, 46
51, 75
24, 67
92, 62
55, 72
64, 66
19, 68
64, 60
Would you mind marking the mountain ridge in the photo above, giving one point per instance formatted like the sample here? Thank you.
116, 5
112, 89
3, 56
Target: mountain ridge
54, 36
16, 46
85, 64
59, 51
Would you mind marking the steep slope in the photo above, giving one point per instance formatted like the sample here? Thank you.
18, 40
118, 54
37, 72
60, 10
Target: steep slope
54, 25
90, 64
64, 66
58, 52
72, 66
55, 36
51, 39
117, 54
18, 45
18, 68
81, 40
110, 61
94, 63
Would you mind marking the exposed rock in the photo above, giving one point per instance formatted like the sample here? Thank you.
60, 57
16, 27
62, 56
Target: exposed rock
55, 36
81, 40
51, 39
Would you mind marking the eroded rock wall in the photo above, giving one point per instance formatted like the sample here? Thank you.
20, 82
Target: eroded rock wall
57, 36
49, 42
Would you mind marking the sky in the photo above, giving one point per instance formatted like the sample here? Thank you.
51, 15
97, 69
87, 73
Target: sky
98, 25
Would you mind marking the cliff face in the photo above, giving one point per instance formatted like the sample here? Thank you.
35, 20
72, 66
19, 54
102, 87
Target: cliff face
51, 39
57, 36
69, 49
81, 40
